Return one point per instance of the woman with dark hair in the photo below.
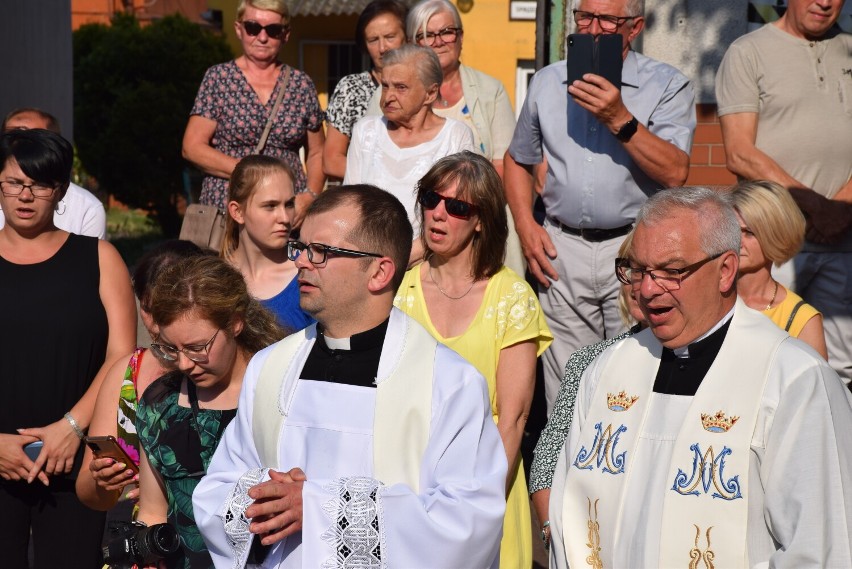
(464, 296)
(380, 28)
(260, 218)
(101, 480)
(68, 314)
(208, 327)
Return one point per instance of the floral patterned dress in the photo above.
(509, 314)
(180, 450)
(126, 428)
(226, 97)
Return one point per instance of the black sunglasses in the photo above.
(455, 207)
(274, 31)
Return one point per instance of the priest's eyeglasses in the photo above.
(198, 354)
(318, 252)
(11, 189)
(667, 278)
(608, 23)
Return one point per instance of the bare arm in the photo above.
(661, 160)
(739, 134)
(535, 242)
(334, 153)
(515, 385)
(813, 335)
(314, 142)
(153, 504)
(197, 149)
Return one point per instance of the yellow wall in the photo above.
(492, 43)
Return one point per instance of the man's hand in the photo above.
(602, 99)
(827, 220)
(277, 509)
(538, 249)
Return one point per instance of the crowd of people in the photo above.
(347, 380)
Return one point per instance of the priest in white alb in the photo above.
(711, 439)
(360, 441)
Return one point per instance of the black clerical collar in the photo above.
(357, 365)
(682, 375)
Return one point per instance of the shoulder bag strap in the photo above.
(260, 145)
(793, 315)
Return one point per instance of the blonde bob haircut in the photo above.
(277, 6)
(770, 213)
(623, 310)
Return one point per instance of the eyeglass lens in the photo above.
(606, 22)
(17, 188)
(447, 35)
(275, 31)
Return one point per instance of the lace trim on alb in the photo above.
(236, 523)
(355, 531)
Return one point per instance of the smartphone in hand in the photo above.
(108, 447)
(601, 56)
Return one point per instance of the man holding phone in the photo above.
(622, 144)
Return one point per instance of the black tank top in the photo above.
(53, 334)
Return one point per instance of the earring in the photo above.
(64, 207)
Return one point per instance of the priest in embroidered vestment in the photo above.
(360, 441)
(712, 439)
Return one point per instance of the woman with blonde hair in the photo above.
(208, 327)
(260, 219)
(773, 229)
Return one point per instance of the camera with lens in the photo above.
(136, 543)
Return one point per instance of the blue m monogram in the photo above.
(602, 454)
(708, 472)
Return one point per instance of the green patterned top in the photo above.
(180, 456)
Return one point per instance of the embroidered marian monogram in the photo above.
(594, 541)
(620, 401)
(718, 423)
(708, 470)
(696, 555)
(602, 453)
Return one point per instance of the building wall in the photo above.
(102, 11)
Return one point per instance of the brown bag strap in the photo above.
(260, 145)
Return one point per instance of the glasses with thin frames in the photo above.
(447, 35)
(455, 207)
(12, 189)
(197, 354)
(668, 278)
(607, 23)
(274, 31)
(318, 252)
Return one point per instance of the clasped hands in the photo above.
(277, 509)
(56, 456)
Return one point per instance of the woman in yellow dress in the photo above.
(469, 301)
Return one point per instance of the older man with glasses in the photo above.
(360, 441)
(712, 438)
(607, 148)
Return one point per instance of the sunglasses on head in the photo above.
(455, 207)
(274, 31)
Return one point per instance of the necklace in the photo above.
(774, 294)
(432, 278)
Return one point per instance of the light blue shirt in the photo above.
(591, 180)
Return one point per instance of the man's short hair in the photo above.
(424, 60)
(717, 222)
(631, 7)
(768, 209)
(383, 228)
(52, 122)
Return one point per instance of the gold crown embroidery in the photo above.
(718, 423)
(621, 401)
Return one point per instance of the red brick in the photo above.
(708, 134)
(717, 155)
(710, 175)
(706, 113)
(700, 155)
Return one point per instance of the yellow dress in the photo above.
(509, 314)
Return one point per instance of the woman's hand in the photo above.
(112, 475)
(14, 462)
(60, 446)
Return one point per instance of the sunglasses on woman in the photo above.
(455, 207)
(274, 31)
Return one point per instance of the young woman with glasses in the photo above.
(234, 103)
(208, 327)
(464, 296)
(68, 315)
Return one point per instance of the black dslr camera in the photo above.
(136, 543)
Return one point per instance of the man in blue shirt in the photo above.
(607, 149)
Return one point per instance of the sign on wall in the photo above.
(522, 9)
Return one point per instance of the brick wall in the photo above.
(707, 162)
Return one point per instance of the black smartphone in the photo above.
(585, 54)
(108, 447)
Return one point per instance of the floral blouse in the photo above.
(226, 97)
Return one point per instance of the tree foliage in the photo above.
(134, 87)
